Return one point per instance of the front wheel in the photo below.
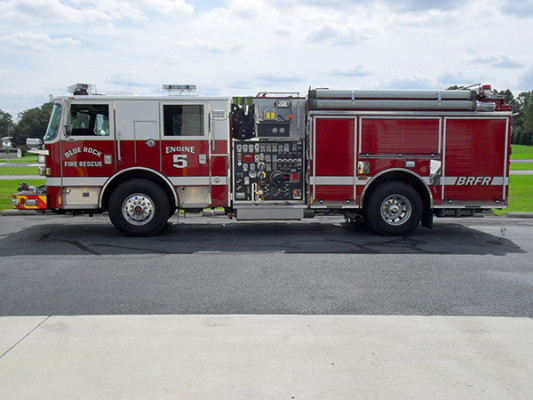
(139, 207)
(394, 208)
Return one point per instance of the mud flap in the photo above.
(427, 218)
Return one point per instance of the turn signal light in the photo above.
(43, 171)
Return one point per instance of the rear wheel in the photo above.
(394, 208)
(139, 207)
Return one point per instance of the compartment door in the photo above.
(185, 150)
(475, 161)
(333, 169)
(138, 135)
(219, 148)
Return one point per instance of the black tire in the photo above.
(393, 208)
(139, 207)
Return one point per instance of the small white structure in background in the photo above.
(6, 142)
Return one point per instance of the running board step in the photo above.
(269, 213)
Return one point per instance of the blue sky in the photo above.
(240, 47)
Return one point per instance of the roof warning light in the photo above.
(81, 88)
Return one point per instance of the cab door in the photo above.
(87, 152)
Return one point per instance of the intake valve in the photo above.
(277, 178)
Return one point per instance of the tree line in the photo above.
(32, 123)
(522, 116)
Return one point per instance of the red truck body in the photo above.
(393, 159)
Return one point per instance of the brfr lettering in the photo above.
(474, 180)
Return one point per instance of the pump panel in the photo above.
(270, 170)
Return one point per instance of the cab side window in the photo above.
(183, 120)
(89, 119)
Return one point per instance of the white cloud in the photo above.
(518, 8)
(38, 11)
(411, 82)
(337, 34)
(36, 41)
(425, 5)
(167, 7)
(355, 71)
(525, 81)
(274, 80)
(447, 79)
(498, 61)
(237, 47)
(210, 46)
(81, 12)
(402, 6)
(127, 80)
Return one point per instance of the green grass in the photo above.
(520, 194)
(19, 170)
(521, 152)
(9, 187)
(26, 159)
(519, 166)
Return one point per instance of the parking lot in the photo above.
(315, 309)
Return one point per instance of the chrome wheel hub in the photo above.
(138, 209)
(396, 209)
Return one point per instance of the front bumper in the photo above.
(30, 199)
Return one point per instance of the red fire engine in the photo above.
(393, 159)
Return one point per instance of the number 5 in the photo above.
(179, 160)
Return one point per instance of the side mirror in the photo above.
(33, 142)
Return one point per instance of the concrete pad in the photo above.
(270, 357)
(14, 212)
(519, 215)
(14, 329)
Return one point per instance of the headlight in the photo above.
(31, 202)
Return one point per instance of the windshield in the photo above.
(53, 125)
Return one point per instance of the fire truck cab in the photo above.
(393, 159)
